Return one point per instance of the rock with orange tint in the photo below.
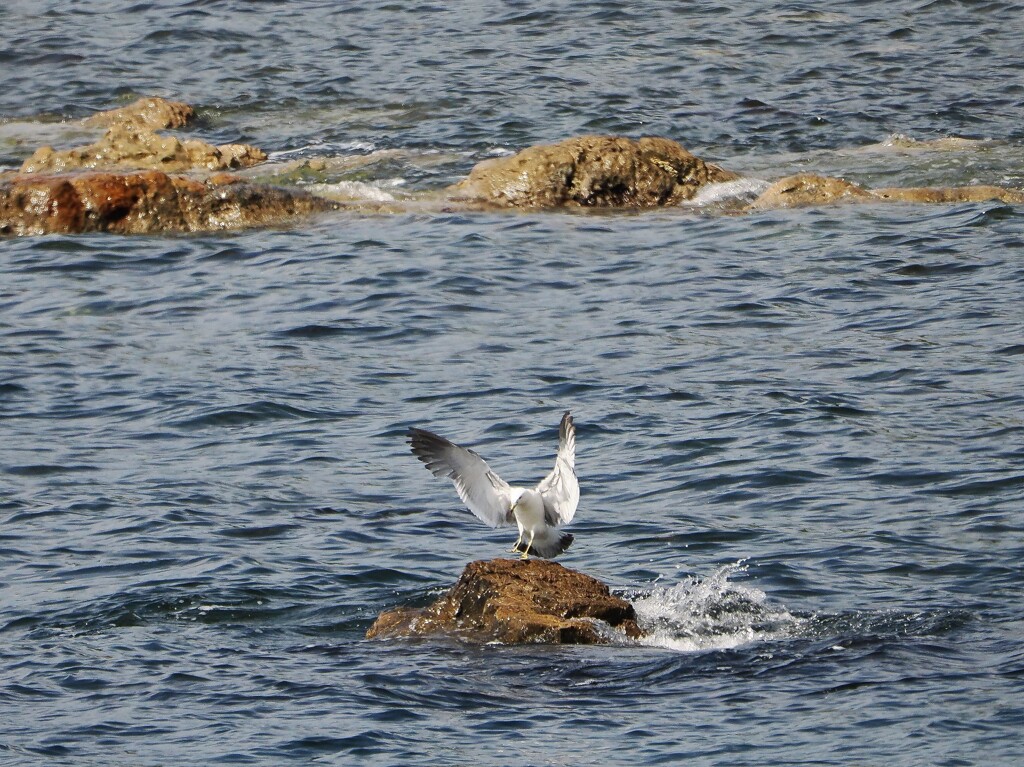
(590, 171)
(129, 204)
(513, 602)
(42, 205)
(146, 202)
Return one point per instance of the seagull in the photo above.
(538, 512)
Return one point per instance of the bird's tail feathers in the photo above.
(548, 549)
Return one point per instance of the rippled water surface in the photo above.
(801, 433)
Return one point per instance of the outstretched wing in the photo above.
(561, 489)
(485, 493)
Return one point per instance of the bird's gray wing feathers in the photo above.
(561, 489)
(485, 493)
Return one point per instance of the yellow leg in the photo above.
(526, 553)
(515, 546)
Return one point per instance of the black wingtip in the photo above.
(428, 447)
(417, 436)
(566, 424)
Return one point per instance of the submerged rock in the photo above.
(514, 602)
(126, 147)
(902, 142)
(807, 189)
(146, 202)
(590, 171)
(980, 193)
(152, 113)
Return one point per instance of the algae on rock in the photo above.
(590, 171)
(513, 602)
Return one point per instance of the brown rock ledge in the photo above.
(151, 113)
(807, 189)
(146, 202)
(590, 171)
(126, 147)
(978, 193)
(515, 602)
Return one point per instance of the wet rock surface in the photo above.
(938, 194)
(808, 189)
(130, 148)
(146, 202)
(108, 185)
(591, 171)
(150, 113)
(513, 602)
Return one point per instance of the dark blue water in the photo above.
(801, 440)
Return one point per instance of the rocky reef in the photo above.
(128, 148)
(807, 189)
(590, 171)
(514, 602)
(135, 179)
(145, 202)
(123, 182)
(131, 142)
(151, 113)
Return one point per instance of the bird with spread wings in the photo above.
(538, 512)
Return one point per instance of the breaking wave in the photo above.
(712, 614)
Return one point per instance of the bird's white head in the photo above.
(528, 508)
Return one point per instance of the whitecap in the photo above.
(711, 614)
(739, 191)
(347, 191)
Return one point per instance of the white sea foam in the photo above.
(318, 148)
(356, 190)
(738, 191)
(711, 614)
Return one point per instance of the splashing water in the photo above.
(712, 614)
(727, 194)
(345, 191)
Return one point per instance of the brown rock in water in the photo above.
(130, 148)
(146, 202)
(900, 141)
(129, 204)
(979, 193)
(153, 113)
(806, 189)
(45, 205)
(513, 602)
(591, 171)
(235, 204)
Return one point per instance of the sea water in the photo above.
(800, 432)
